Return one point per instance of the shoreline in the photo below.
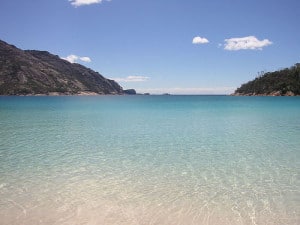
(113, 94)
(272, 94)
(84, 93)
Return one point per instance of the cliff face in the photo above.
(284, 82)
(39, 72)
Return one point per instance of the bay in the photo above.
(149, 160)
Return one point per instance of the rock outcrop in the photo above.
(130, 92)
(32, 72)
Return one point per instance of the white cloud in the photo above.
(200, 40)
(71, 58)
(77, 3)
(250, 42)
(189, 91)
(75, 58)
(131, 79)
(85, 59)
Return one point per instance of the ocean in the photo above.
(139, 160)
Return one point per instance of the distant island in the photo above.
(31, 72)
(285, 82)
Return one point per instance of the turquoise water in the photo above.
(150, 160)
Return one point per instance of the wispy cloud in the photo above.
(189, 91)
(75, 58)
(245, 43)
(200, 40)
(85, 59)
(131, 79)
(77, 3)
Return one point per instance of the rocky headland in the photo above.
(31, 72)
(285, 82)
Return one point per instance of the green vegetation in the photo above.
(279, 83)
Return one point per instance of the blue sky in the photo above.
(158, 46)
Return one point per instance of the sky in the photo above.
(161, 46)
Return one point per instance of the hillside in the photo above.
(285, 82)
(32, 72)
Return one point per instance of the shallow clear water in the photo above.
(150, 160)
